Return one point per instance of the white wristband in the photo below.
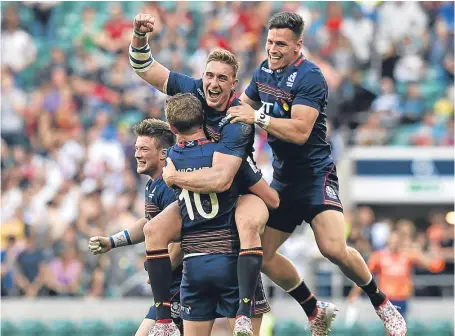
(261, 119)
(141, 59)
(120, 239)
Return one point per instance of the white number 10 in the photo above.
(185, 195)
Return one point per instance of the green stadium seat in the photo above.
(31, 328)
(441, 328)
(123, 328)
(62, 328)
(8, 328)
(93, 328)
(285, 328)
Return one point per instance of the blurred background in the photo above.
(69, 100)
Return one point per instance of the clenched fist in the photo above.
(99, 245)
(144, 23)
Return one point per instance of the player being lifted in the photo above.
(153, 138)
(215, 91)
(209, 236)
(290, 95)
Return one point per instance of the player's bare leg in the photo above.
(144, 328)
(329, 231)
(198, 328)
(256, 321)
(159, 232)
(283, 272)
(250, 216)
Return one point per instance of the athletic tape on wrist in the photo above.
(120, 239)
(139, 35)
(261, 119)
(140, 58)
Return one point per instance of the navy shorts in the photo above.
(210, 290)
(303, 202)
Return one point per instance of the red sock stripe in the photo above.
(157, 256)
(258, 252)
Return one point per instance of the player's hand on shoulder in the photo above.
(99, 245)
(241, 113)
(169, 172)
(144, 23)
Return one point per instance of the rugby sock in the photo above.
(160, 274)
(377, 297)
(248, 271)
(303, 296)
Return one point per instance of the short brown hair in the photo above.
(288, 20)
(156, 129)
(226, 57)
(184, 112)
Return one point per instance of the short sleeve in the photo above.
(312, 90)
(249, 174)
(167, 197)
(179, 83)
(252, 90)
(235, 139)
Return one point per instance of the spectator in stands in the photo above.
(387, 103)
(15, 41)
(30, 269)
(412, 105)
(7, 265)
(64, 274)
(13, 105)
(371, 133)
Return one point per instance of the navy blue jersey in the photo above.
(159, 196)
(236, 139)
(202, 211)
(301, 83)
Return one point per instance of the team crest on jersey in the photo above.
(331, 192)
(291, 79)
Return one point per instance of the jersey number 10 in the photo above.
(185, 195)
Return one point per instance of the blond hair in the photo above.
(226, 57)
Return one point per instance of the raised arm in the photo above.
(217, 178)
(140, 54)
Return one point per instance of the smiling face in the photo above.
(218, 83)
(282, 48)
(149, 156)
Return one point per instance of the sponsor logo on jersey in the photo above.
(266, 70)
(201, 93)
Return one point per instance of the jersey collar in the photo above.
(193, 143)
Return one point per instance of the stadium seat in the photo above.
(31, 328)
(93, 328)
(62, 328)
(8, 328)
(123, 328)
(285, 328)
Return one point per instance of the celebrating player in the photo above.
(215, 91)
(290, 94)
(153, 138)
(209, 235)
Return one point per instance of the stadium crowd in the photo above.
(69, 101)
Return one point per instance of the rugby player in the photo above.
(287, 97)
(153, 138)
(209, 235)
(215, 91)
